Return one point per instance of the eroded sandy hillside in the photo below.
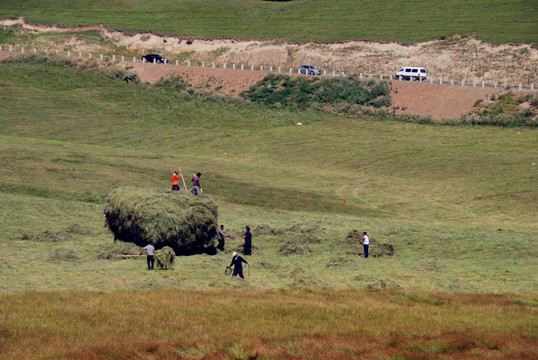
(454, 58)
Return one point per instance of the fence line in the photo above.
(382, 77)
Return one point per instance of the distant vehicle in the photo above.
(412, 73)
(154, 58)
(309, 70)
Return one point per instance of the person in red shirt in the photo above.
(175, 181)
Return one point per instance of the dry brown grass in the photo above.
(267, 325)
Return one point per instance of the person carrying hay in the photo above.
(150, 250)
(237, 264)
(221, 237)
(247, 249)
(175, 181)
(196, 184)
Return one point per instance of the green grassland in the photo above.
(438, 194)
(495, 21)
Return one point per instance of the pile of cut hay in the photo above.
(165, 218)
(164, 258)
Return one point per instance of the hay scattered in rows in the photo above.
(373, 282)
(111, 251)
(339, 261)
(164, 258)
(48, 236)
(65, 254)
(268, 230)
(167, 218)
(267, 265)
(295, 246)
(57, 236)
(302, 278)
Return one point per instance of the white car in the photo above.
(412, 73)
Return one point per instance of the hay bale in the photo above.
(295, 246)
(65, 254)
(167, 218)
(164, 258)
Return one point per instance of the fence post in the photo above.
(261, 67)
(334, 73)
(381, 77)
(46, 51)
(114, 58)
(532, 86)
(79, 54)
(68, 53)
(134, 59)
(291, 71)
(212, 65)
(431, 81)
(22, 49)
(189, 63)
(203, 63)
(35, 50)
(441, 80)
(90, 55)
(360, 76)
(474, 83)
(233, 66)
(463, 82)
(10, 48)
(483, 83)
(451, 82)
(122, 58)
(495, 85)
(279, 69)
(390, 77)
(520, 86)
(251, 67)
(270, 69)
(100, 56)
(343, 75)
(224, 66)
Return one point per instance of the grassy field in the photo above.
(438, 194)
(495, 21)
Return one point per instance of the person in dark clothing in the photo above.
(237, 264)
(221, 237)
(247, 249)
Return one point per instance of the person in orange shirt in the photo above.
(175, 181)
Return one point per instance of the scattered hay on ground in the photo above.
(305, 229)
(267, 230)
(164, 258)
(167, 218)
(302, 278)
(48, 236)
(111, 251)
(373, 282)
(339, 261)
(267, 265)
(57, 236)
(295, 246)
(65, 254)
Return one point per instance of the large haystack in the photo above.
(186, 224)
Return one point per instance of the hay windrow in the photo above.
(57, 236)
(295, 246)
(111, 251)
(65, 254)
(186, 224)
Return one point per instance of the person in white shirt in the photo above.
(365, 243)
(150, 250)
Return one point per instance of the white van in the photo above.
(412, 73)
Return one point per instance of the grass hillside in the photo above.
(495, 21)
(457, 203)
(438, 194)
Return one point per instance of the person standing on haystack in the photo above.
(150, 250)
(237, 264)
(175, 181)
(365, 244)
(221, 237)
(196, 184)
(247, 248)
